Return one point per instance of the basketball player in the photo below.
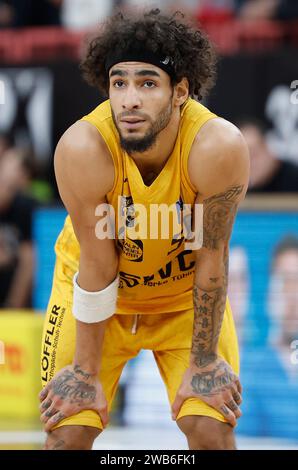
(149, 143)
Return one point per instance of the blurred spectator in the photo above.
(5, 143)
(271, 385)
(238, 288)
(268, 9)
(18, 161)
(16, 248)
(287, 10)
(23, 13)
(283, 298)
(215, 10)
(41, 191)
(257, 9)
(282, 113)
(83, 14)
(32, 182)
(186, 6)
(6, 14)
(267, 172)
(201, 10)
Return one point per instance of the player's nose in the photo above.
(131, 98)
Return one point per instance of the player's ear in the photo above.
(181, 91)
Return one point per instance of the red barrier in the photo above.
(230, 36)
(39, 44)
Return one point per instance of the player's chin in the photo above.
(139, 131)
(133, 135)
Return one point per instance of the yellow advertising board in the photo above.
(20, 342)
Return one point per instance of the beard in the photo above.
(138, 145)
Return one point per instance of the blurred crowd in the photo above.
(269, 172)
(16, 249)
(80, 14)
(21, 192)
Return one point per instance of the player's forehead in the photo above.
(136, 69)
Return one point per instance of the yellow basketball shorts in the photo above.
(168, 335)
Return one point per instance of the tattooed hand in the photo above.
(69, 392)
(216, 384)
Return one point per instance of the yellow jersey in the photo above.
(156, 274)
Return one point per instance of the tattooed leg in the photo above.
(71, 438)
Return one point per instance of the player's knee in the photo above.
(204, 433)
(71, 438)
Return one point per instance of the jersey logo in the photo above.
(132, 249)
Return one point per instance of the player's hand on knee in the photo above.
(69, 392)
(216, 384)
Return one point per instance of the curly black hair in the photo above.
(169, 35)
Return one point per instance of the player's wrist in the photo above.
(203, 360)
(94, 307)
(85, 370)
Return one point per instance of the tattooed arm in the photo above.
(85, 174)
(219, 169)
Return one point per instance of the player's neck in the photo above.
(157, 155)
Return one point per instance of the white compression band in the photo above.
(93, 307)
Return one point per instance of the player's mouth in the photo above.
(132, 123)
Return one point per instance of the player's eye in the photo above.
(118, 83)
(149, 84)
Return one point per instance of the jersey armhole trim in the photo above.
(190, 139)
(116, 173)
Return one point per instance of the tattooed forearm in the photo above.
(208, 313)
(218, 218)
(210, 289)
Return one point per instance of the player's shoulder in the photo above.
(82, 153)
(218, 136)
(219, 148)
(83, 137)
